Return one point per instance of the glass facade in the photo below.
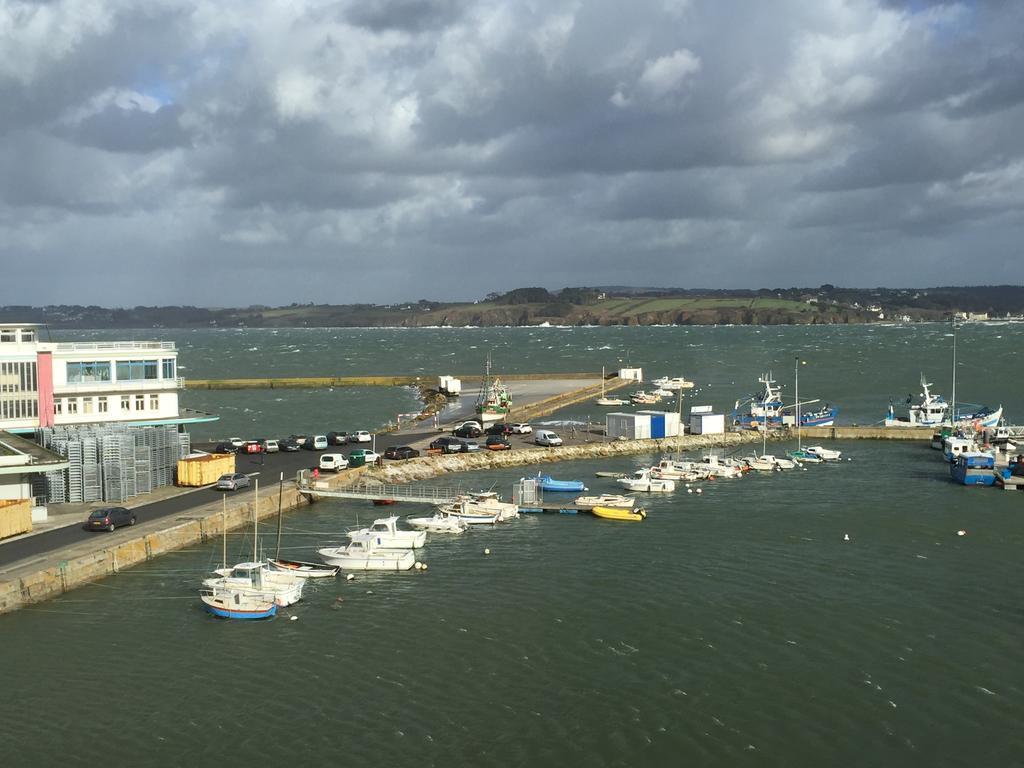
(19, 390)
(79, 373)
(137, 370)
(168, 368)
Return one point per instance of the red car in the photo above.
(252, 446)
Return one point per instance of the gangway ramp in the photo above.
(419, 494)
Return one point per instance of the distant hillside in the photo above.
(570, 306)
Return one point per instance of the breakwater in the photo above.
(319, 382)
(868, 433)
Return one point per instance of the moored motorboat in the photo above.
(804, 456)
(644, 398)
(439, 522)
(303, 569)
(359, 555)
(386, 534)
(256, 579)
(228, 603)
(605, 500)
(548, 483)
(716, 466)
(825, 454)
(619, 513)
(641, 480)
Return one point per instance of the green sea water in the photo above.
(734, 627)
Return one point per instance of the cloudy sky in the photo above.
(230, 152)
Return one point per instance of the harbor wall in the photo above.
(313, 382)
(868, 433)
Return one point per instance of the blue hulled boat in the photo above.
(548, 483)
(767, 407)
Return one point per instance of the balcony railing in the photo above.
(144, 385)
(95, 346)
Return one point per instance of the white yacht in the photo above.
(439, 522)
(641, 480)
(825, 454)
(361, 555)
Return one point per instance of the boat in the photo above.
(487, 503)
(302, 568)
(439, 522)
(973, 469)
(362, 555)
(641, 480)
(825, 454)
(608, 401)
(230, 603)
(385, 533)
(934, 411)
(768, 408)
(256, 579)
(716, 466)
(668, 469)
(605, 500)
(548, 483)
(383, 502)
(762, 463)
(643, 398)
(672, 384)
(494, 401)
(804, 456)
(620, 514)
(468, 514)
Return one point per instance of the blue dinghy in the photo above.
(548, 483)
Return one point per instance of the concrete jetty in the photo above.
(320, 382)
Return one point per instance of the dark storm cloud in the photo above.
(413, 144)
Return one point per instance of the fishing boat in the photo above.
(608, 401)
(386, 534)
(605, 500)
(620, 514)
(973, 469)
(439, 522)
(641, 480)
(302, 568)
(825, 454)
(548, 483)
(362, 555)
(934, 411)
(494, 401)
(230, 603)
(768, 408)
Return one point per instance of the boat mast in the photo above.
(602, 382)
(255, 519)
(280, 500)
(224, 526)
(797, 377)
(952, 410)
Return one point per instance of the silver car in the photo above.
(233, 481)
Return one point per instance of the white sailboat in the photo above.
(608, 401)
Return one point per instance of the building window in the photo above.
(168, 368)
(140, 402)
(17, 377)
(101, 404)
(154, 402)
(8, 337)
(126, 403)
(79, 373)
(28, 336)
(72, 405)
(87, 404)
(136, 370)
(58, 407)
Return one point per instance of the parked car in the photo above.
(337, 438)
(335, 462)
(469, 445)
(252, 446)
(233, 481)
(521, 429)
(316, 443)
(472, 423)
(236, 441)
(498, 443)
(467, 430)
(362, 436)
(109, 518)
(501, 428)
(546, 437)
(367, 456)
(287, 444)
(401, 452)
(300, 440)
(224, 448)
(447, 444)
(271, 446)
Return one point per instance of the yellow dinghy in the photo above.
(620, 513)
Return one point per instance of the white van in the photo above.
(319, 442)
(546, 437)
(334, 462)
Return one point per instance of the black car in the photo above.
(287, 444)
(448, 444)
(337, 438)
(224, 448)
(498, 443)
(109, 518)
(467, 430)
(401, 452)
(501, 428)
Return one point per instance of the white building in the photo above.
(45, 383)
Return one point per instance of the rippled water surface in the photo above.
(736, 627)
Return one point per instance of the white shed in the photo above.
(632, 426)
(704, 422)
(631, 374)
